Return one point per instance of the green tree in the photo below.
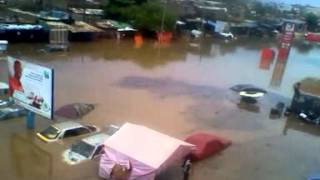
(312, 21)
(114, 9)
(260, 8)
(143, 14)
(150, 16)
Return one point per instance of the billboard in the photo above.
(31, 86)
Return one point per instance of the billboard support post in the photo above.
(30, 120)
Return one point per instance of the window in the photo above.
(76, 132)
(82, 130)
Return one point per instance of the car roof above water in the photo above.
(96, 139)
(67, 125)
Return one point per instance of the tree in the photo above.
(143, 15)
(312, 21)
(114, 9)
(150, 15)
(260, 8)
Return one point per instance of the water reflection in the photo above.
(205, 62)
(212, 107)
(28, 159)
(280, 66)
(251, 107)
(294, 124)
(166, 87)
(304, 47)
(148, 56)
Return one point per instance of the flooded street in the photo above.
(176, 89)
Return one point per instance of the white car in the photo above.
(87, 148)
(65, 129)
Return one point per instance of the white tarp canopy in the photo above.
(146, 150)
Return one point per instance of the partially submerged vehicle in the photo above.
(85, 149)
(64, 130)
(4, 87)
(306, 107)
(12, 111)
(74, 110)
(207, 144)
(247, 88)
(248, 92)
(6, 102)
(137, 152)
(88, 148)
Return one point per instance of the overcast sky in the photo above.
(303, 2)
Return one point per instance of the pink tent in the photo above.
(146, 152)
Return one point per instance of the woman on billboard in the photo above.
(14, 79)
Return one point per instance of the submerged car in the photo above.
(64, 130)
(88, 148)
(4, 87)
(6, 102)
(12, 111)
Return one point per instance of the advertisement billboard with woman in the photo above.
(31, 86)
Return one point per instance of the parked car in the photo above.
(64, 130)
(12, 111)
(88, 148)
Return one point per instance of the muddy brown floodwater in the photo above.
(176, 89)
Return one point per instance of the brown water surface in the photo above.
(176, 89)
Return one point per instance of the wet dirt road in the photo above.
(177, 90)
